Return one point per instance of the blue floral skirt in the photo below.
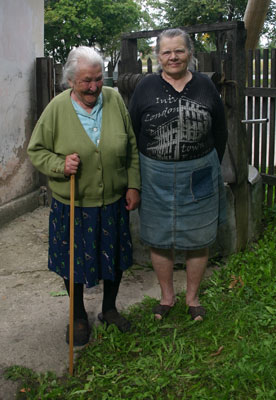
(102, 241)
(182, 203)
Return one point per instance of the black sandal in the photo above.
(113, 317)
(196, 311)
(162, 310)
(81, 332)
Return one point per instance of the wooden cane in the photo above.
(71, 319)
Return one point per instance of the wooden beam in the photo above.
(260, 92)
(269, 179)
(202, 28)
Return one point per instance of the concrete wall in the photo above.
(21, 41)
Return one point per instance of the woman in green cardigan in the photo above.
(86, 131)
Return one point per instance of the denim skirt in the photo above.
(102, 241)
(182, 203)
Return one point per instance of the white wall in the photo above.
(21, 41)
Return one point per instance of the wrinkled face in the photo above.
(87, 84)
(174, 56)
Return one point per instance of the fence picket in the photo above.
(250, 105)
(139, 66)
(264, 112)
(149, 65)
(257, 109)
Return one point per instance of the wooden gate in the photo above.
(260, 117)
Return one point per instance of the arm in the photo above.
(132, 162)
(135, 115)
(42, 156)
(41, 146)
(219, 127)
(41, 149)
(133, 165)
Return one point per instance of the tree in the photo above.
(192, 12)
(269, 30)
(100, 23)
(173, 13)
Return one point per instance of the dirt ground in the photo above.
(33, 318)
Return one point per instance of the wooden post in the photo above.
(44, 94)
(110, 70)
(235, 72)
(44, 83)
(58, 77)
(128, 55)
(204, 62)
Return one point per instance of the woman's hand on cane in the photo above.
(72, 162)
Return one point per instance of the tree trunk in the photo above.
(254, 18)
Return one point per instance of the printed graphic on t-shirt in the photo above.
(185, 132)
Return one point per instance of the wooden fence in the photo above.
(260, 112)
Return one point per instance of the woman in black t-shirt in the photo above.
(179, 122)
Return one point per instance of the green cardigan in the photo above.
(105, 172)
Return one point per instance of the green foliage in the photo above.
(270, 25)
(71, 23)
(228, 356)
(144, 47)
(175, 13)
(192, 12)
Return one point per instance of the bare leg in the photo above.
(196, 262)
(163, 261)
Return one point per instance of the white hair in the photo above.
(88, 54)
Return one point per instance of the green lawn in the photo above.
(231, 355)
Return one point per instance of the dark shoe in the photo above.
(81, 332)
(196, 311)
(113, 317)
(162, 310)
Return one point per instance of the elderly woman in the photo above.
(179, 122)
(86, 131)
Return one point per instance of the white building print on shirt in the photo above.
(187, 130)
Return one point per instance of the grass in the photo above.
(231, 355)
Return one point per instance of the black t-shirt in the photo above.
(178, 126)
